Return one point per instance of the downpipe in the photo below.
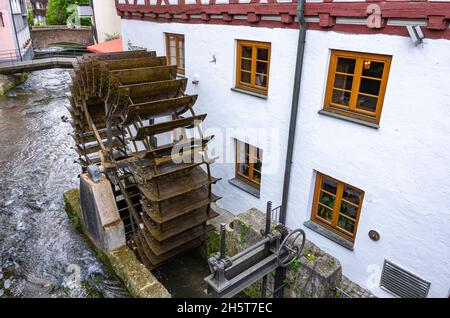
(281, 272)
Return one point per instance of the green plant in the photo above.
(85, 21)
(30, 18)
(331, 261)
(109, 37)
(295, 266)
(309, 256)
(245, 229)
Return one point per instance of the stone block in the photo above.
(100, 216)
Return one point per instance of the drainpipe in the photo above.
(280, 273)
(15, 30)
(294, 108)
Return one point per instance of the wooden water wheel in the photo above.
(121, 104)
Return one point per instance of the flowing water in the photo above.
(41, 254)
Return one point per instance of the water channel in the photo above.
(41, 254)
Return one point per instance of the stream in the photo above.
(41, 253)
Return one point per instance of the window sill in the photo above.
(245, 186)
(329, 234)
(350, 119)
(243, 91)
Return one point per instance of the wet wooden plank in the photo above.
(147, 92)
(176, 184)
(167, 126)
(176, 208)
(163, 107)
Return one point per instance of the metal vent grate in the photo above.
(403, 283)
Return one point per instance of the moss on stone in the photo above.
(136, 277)
(72, 206)
(252, 292)
(121, 262)
(11, 82)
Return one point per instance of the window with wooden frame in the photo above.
(175, 51)
(337, 206)
(357, 84)
(248, 163)
(252, 67)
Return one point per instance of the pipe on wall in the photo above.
(294, 108)
(280, 273)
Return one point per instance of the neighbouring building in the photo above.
(106, 20)
(39, 9)
(370, 180)
(15, 37)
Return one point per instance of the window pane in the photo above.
(349, 210)
(326, 199)
(370, 86)
(171, 41)
(241, 152)
(366, 103)
(172, 51)
(243, 169)
(346, 224)
(261, 67)
(351, 195)
(345, 65)
(261, 80)
(329, 185)
(246, 65)
(325, 213)
(343, 81)
(173, 60)
(257, 176)
(373, 69)
(246, 51)
(245, 77)
(181, 62)
(340, 97)
(181, 51)
(263, 54)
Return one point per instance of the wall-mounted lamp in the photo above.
(214, 60)
(195, 79)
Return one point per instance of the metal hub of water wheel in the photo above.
(120, 103)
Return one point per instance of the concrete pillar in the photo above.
(101, 217)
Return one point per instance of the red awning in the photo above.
(107, 47)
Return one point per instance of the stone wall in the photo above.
(8, 82)
(315, 274)
(44, 36)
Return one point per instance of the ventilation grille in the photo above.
(403, 283)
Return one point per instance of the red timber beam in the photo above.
(320, 15)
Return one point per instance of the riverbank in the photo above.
(8, 82)
(139, 281)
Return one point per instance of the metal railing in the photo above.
(13, 57)
(10, 56)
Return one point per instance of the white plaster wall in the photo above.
(403, 167)
(226, 108)
(106, 19)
